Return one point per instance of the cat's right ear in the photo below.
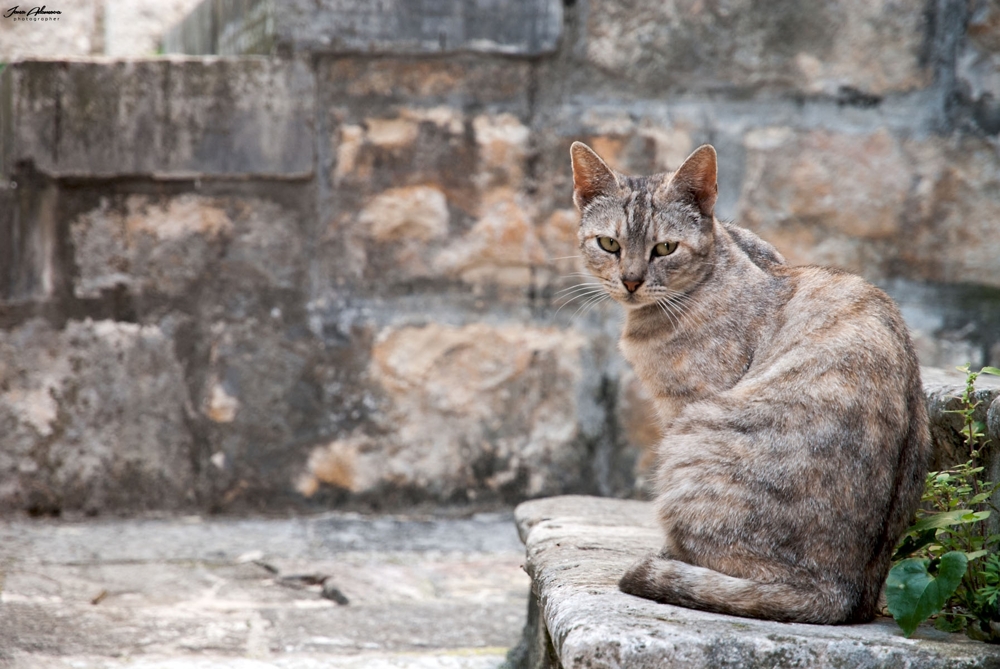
(591, 175)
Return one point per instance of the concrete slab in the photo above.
(578, 548)
(333, 591)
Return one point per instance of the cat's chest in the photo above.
(682, 370)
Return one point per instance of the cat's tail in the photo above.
(674, 582)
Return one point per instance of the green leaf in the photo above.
(911, 544)
(976, 554)
(950, 624)
(947, 519)
(981, 497)
(990, 370)
(913, 594)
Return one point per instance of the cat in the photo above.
(795, 437)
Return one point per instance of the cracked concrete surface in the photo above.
(257, 593)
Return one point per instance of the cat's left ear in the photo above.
(697, 180)
(591, 175)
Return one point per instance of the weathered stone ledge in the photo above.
(521, 28)
(578, 547)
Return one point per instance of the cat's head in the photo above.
(646, 238)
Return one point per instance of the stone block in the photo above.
(364, 85)
(265, 394)
(950, 233)
(166, 247)
(93, 419)
(875, 204)
(466, 413)
(225, 27)
(977, 65)
(424, 190)
(950, 324)
(943, 389)
(28, 239)
(825, 48)
(577, 549)
(159, 117)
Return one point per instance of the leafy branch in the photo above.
(946, 564)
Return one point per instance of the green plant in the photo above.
(946, 563)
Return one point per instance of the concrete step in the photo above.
(577, 549)
(333, 591)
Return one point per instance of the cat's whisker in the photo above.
(684, 306)
(669, 310)
(566, 257)
(594, 304)
(578, 286)
(586, 299)
(583, 295)
(580, 293)
(666, 313)
(590, 304)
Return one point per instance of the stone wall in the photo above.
(333, 276)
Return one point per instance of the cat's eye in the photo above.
(608, 244)
(664, 248)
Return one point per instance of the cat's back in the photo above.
(838, 360)
(836, 318)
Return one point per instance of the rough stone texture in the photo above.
(425, 189)
(978, 65)
(303, 231)
(153, 246)
(578, 548)
(521, 27)
(419, 592)
(822, 48)
(942, 389)
(478, 407)
(874, 204)
(158, 117)
(951, 325)
(93, 418)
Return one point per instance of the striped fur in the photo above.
(795, 436)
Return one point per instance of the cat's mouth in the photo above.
(632, 300)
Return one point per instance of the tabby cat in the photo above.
(795, 437)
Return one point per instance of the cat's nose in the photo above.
(632, 286)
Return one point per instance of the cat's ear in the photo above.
(697, 180)
(591, 175)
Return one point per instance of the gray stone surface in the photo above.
(303, 231)
(193, 592)
(519, 27)
(823, 48)
(92, 417)
(943, 388)
(159, 117)
(578, 548)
